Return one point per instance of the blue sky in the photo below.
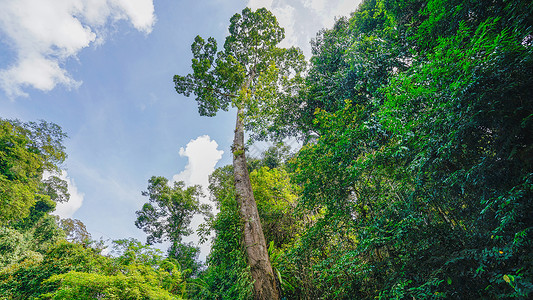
(102, 70)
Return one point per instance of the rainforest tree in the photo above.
(259, 79)
(167, 216)
(227, 275)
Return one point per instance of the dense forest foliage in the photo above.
(414, 181)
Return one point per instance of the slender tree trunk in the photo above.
(254, 240)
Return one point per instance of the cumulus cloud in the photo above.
(45, 33)
(302, 19)
(67, 209)
(203, 155)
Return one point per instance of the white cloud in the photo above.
(139, 12)
(36, 71)
(302, 19)
(45, 33)
(67, 209)
(203, 155)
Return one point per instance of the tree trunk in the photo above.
(254, 240)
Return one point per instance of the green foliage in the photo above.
(420, 182)
(12, 246)
(68, 271)
(276, 202)
(463, 116)
(168, 213)
(75, 231)
(75, 285)
(250, 73)
(351, 61)
(25, 279)
(131, 251)
(55, 188)
(26, 151)
(274, 157)
(164, 272)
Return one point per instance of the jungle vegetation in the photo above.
(414, 181)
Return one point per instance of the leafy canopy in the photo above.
(250, 73)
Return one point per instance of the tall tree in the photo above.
(260, 79)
